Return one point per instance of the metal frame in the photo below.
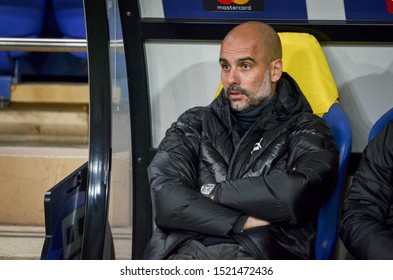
(43, 45)
(330, 31)
(140, 124)
(95, 237)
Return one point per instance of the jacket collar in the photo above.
(289, 100)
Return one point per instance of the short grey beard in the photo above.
(255, 100)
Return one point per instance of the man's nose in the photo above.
(233, 77)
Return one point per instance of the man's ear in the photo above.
(275, 70)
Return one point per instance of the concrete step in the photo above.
(49, 113)
(26, 173)
(44, 138)
(59, 93)
(47, 124)
(26, 242)
(21, 242)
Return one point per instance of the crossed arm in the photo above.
(284, 196)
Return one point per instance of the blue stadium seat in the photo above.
(70, 18)
(329, 215)
(304, 59)
(380, 123)
(18, 19)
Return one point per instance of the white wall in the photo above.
(364, 78)
(182, 75)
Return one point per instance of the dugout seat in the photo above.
(380, 123)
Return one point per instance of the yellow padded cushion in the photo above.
(304, 60)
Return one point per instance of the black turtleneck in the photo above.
(246, 119)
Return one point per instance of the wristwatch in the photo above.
(208, 189)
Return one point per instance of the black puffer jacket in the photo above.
(367, 226)
(284, 180)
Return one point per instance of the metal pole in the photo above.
(43, 45)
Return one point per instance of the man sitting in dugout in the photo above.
(244, 177)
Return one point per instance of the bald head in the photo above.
(259, 33)
(251, 65)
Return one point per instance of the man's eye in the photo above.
(246, 66)
(225, 67)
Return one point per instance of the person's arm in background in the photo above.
(365, 230)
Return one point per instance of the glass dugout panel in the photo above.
(120, 199)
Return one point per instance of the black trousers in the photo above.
(194, 250)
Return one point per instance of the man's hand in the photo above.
(252, 222)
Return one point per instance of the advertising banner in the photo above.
(239, 9)
(369, 9)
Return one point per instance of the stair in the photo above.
(46, 114)
(21, 242)
(25, 242)
(26, 173)
(43, 138)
